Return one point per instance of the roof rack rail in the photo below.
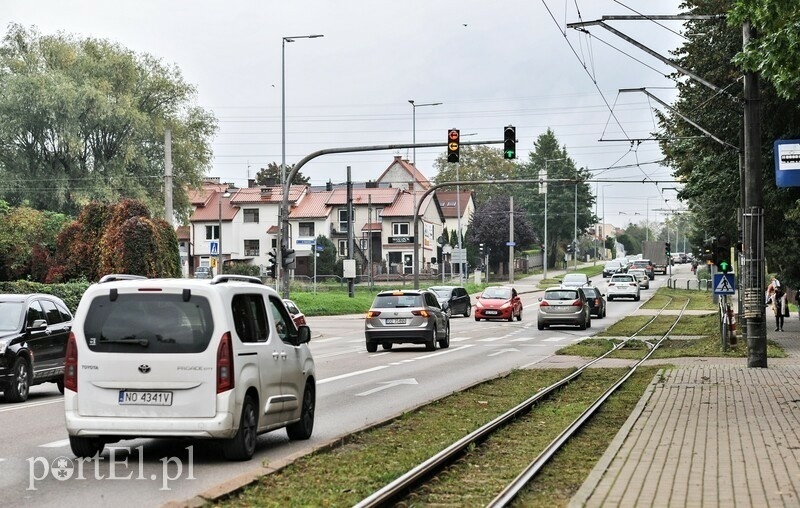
(111, 277)
(236, 278)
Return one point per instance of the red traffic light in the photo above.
(453, 141)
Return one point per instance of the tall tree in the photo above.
(272, 175)
(84, 120)
(490, 226)
(477, 163)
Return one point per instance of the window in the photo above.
(306, 228)
(400, 228)
(249, 317)
(378, 214)
(212, 232)
(342, 247)
(50, 309)
(250, 215)
(283, 322)
(344, 224)
(251, 247)
(35, 312)
(364, 244)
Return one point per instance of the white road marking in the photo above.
(56, 444)
(388, 384)
(523, 339)
(555, 339)
(459, 339)
(17, 407)
(507, 350)
(329, 339)
(351, 374)
(493, 339)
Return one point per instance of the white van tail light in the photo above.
(71, 364)
(225, 364)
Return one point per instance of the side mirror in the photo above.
(303, 334)
(540, 298)
(38, 324)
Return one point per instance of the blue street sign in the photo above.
(787, 162)
(306, 241)
(213, 248)
(320, 247)
(511, 244)
(724, 284)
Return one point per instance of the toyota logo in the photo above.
(144, 369)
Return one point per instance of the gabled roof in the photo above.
(449, 204)
(255, 195)
(380, 196)
(313, 206)
(213, 210)
(200, 197)
(404, 206)
(413, 173)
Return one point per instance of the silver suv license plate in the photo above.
(144, 398)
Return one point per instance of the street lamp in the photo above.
(284, 187)
(544, 185)
(414, 107)
(220, 194)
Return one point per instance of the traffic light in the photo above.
(570, 249)
(453, 141)
(722, 253)
(708, 252)
(482, 249)
(271, 265)
(287, 257)
(668, 249)
(510, 142)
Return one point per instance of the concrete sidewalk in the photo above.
(711, 432)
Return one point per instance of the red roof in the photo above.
(404, 205)
(214, 210)
(448, 203)
(372, 226)
(362, 196)
(313, 205)
(253, 195)
(411, 169)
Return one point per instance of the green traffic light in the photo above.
(724, 266)
(510, 154)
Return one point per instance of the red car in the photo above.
(498, 302)
(297, 316)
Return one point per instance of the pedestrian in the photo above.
(797, 301)
(773, 286)
(779, 302)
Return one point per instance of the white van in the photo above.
(219, 358)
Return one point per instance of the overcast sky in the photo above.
(490, 64)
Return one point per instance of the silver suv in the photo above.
(564, 305)
(219, 359)
(406, 316)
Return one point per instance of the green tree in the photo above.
(477, 163)
(27, 241)
(84, 120)
(272, 174)
(326, 262)
(490, 225)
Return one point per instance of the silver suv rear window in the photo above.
(148, 323)
(562, 294)
(398, 301)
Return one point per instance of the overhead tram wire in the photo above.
(648, 18)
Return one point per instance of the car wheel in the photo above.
(511, 316)
(468, 310)
(387, 345)
(372, 347)
(60, 386)
(589, 321)
(20, 381)
(636, 298)
(477, 318)
(540, 326)
(582, 325)
(303, 428)
(604, 312)
(86, 447)
(445, 343)
(519, 316)
(430, 345)
(243, 445)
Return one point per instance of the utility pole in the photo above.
(168, 176)
(511, 240)
(350, 242)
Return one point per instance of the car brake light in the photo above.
(373, 313)
(71, 364)
(423, 313)
(610, 283)
(225, 364)
(544, 304)
(577, 303)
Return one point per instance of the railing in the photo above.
(697, 284)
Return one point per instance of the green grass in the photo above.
(698, 300)
(361, 464)
(589, 270)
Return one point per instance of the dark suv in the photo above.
(34, 329)
(453, 299)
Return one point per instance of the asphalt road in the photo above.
(354, 389)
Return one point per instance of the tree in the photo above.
(477, 163)
(84, 120)
(27, 241)
(490, 225)
(326, 262)
(271, 175)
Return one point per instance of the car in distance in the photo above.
(641, 277)
(645, 265)
(623, 285)
(575, 280)
(498, 302)
(297, 315)
(183, 358)
(202, 272)
(406, 316)
(34, 329)
(564, 306)
(454, 300)
(596, 301)
(611, 267)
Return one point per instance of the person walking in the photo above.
(797, 301)
(779, 302)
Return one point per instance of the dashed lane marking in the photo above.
(56, 444)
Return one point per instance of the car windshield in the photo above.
(623, 278)
(613, 265)
(561, 294)
(590, 292)
(10, 313)
(442, 292)
(397, 301)
(498, 293)
(575, 277)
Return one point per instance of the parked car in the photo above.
(623, 285)
(202, 272)
(596, 301)
(575, 280)
(641, 277)
(34, 329)
(498, 302)
(612, 267)
(184, 358)
(647, 266)
(297, 315)
(453, 299)
(564, 306)
(406, 316)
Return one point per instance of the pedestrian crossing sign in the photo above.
(724, 284)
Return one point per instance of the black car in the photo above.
(34, 329)
(597, 303)
(453, 299)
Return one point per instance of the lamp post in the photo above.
(544, 186)
(414, 107)
(284, 187)
(220, 194)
